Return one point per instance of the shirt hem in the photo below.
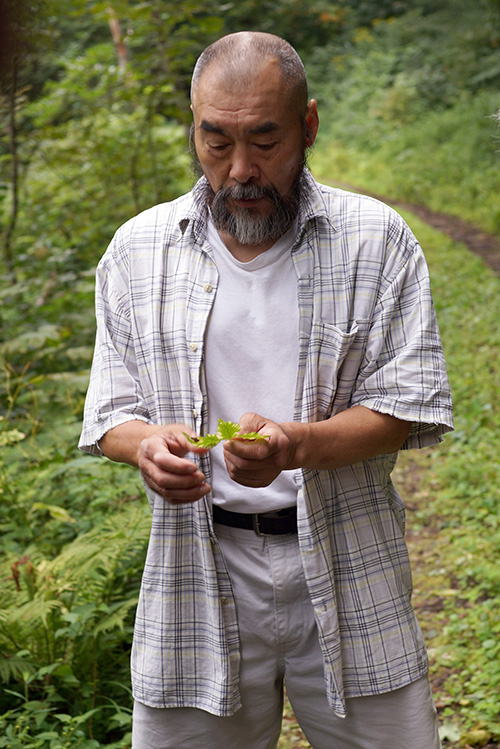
(167, 704)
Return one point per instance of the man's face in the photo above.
(250, 142)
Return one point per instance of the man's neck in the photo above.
(245, 252)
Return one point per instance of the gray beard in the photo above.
(247, 225)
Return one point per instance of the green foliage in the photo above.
(74, 541)
(73, 534)
(305, 25)
(90, 172)
(409, 110)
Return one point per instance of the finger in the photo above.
(253, 456)
(178, 497)
(245, 468)
(176, 488)
(172, 474)
(181, 445)
(253, 478)
(159, 452)
(169, 463)
(251, 422)
(171, 443)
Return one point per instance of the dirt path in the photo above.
(478, 241)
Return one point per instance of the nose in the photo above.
(243, 167)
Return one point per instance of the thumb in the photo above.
(251, 422)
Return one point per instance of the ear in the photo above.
(312, 122)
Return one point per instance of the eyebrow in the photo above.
(266, 127)
(209, 127)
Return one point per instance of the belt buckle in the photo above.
(256, 526)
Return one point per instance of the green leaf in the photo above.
(227, 429)
(252, 436)
(208, 441)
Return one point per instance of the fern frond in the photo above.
(116, 617)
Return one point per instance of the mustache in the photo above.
(248, 191)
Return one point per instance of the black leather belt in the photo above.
(275, 523)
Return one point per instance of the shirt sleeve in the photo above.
(404, 370)
(114, 395)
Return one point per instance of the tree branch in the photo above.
(117, 35)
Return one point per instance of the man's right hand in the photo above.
(159, 453)
(165, 469)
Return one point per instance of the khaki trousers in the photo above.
(279, 644)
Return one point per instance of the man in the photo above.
(305, 312)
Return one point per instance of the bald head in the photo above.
(242, 55)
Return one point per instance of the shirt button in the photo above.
(195, 413)
(208, 287)
(193, 346)
(224, 600)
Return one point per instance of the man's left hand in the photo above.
(257, 463)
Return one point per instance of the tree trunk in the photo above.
(14, 158)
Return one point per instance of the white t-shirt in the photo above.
(251, 358)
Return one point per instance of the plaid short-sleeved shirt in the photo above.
(368, 336)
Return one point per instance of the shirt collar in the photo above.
(313, 205)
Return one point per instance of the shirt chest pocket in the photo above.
(333, 363)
